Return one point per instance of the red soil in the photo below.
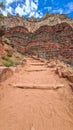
(35, 98)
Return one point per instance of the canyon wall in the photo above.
(48, 37)
(33, 24)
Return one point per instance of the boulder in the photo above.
(70, 78)
(5, 74)
(58, 71)
(62, 72)
(65, 73)
(51, 64)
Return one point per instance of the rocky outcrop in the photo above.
(33, 24)
(64, 72)
(16, 29)
(55, 29)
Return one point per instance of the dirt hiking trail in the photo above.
(35, 98)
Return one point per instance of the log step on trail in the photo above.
(40, 87)
(37, 70)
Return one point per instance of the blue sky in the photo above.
(38, 8)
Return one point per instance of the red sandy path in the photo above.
(35, 98)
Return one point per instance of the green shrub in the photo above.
(70, 62)
(5, 39)
(9, 62)
(5, 57)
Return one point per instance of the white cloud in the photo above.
(69, 7)
(30, 8)
(9, 1)
(66, 9)
(38, 14)
(27, 7)
(4, 13)
(48, 8)
(33, 6)
(19, 10)
(60, 11)
(10, 9)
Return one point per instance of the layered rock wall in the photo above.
(33, 24)
(50, 36)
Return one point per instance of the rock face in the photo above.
(16, 29)
(33, 24)
(46, 42)
(48, 37)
